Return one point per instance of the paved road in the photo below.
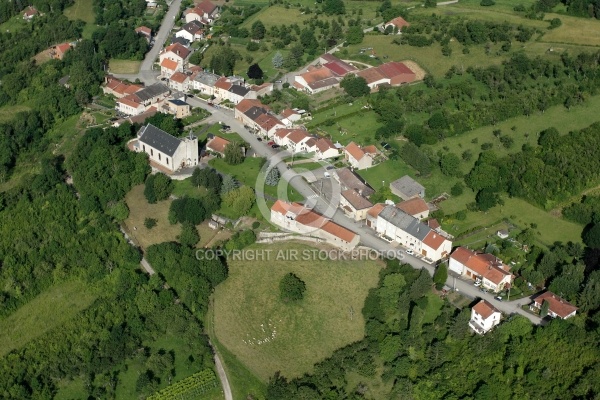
(222, 374)
(147, 267)
(146, 73)
(328, 207)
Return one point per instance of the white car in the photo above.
(410, 252)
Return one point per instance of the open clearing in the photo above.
(47, 311)
(139, 210)
(585, 31)
(247, 308)
(124, 66)
(8, 112)
(82, 9)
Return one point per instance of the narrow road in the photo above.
(146, 73)
(329, 208)
(222, 374)
(147, 267)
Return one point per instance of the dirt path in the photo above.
(222, 375)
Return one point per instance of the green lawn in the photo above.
(585, 31)
(124, 66)
(83, 10)
(311, 166)
(47, 311)
(434, 308)
(359, 128)
(247, 309)
(8, 112)
(13, 24)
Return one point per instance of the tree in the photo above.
(544, 308)
(257, 32)
(440, 276)
(486, 199)
(291, 288)
(331, 7)
(223, 61)
(457, 189)
(591, 237)
(233, 154)
(150, 223)
(355, 35)
(158, 187)
(355, 86)
(273, 176)
(450, 164)
(239, 200)
(255, 72)
(118, 210)
(189, 236)
(277, 60)
(229, 184)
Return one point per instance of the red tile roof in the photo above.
(63, 47)
(129, 101)
(324, 144)
(282, 132)
(247, 104)
(223, 83)
(217, 144)
(434, 240)
(206, 6)
(375, 210)
(30, 11)
(297, 135)
(177, 49)
(557, 305)
(392, 69)
(339, 231)
(433, 223)
(267, 121)
(169, 64)
(484, 309)
(145, 30)
(339, 67)
(288, 112)
(413, 206)
(371, 75)
(370, 149)
(485, 265)
(179, 77)
(317, 74)
(399, 22)
(355, 151)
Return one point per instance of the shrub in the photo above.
(150, 223)
(291, 288)
(255, 225)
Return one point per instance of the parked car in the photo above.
(211, 104)
(190, 95)
(410, 252)
(271, 143)
(259, 139)
(275, 146)
(330, 167)
(498, 298)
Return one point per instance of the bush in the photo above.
(150, 223)
(487, 3)
(461, 215)
(189, 210)
(555, 23)
(457, 189)
(240, 240)
(291, 288)
(440, 275)
(252, 46)
(255, 225)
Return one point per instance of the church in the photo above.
(166, 150)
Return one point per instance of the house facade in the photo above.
(484, 316)
(357, 158)
(175, 52)
(491, 271)
(354, 205)
(167, 151)
(325, 149)
(295, 217)
(179, 108)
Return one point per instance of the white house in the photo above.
(205, 82)
(491, 271)
(179, 82)
(205, 12)
(129, 106)
(557, 306)
(166, 150)
(217, 145)
(396, 24)
(397, 226)
(357, 157)
(169, 67)
(484, 316)
(175, 52)
(326, 149)
(295, 217)
(191, 31)
(354, 205)
(290, 116)
(296, 141)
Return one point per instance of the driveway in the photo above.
(147, 74)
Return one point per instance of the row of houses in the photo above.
(330, 70)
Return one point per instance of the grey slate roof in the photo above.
(239, 90)
(255, 112)
(159, 139)
(151, 91)
(182, 41)
(192, 27)
(408, 186)
(207, 78)
(178, 102)
(406, 222)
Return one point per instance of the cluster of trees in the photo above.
(291, 288)
(158, 187)
(420, 356)
(579, 8)
(9, 9)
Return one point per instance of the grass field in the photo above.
(359, 128)
(13, 24)
(139, 210)
(82, 9)
(585, 31)
(247, 308)
(49, 310)
(124, 66)
(8, 112)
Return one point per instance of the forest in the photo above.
(423, 359)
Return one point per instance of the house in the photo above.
(295, 217)
(179, 108)
(397, 72)
(266, 125)
(417, 207)
(175, 52)
(289, 116)
(354, 205)
(373, 77)
(138, 102)
(204, 11)
(243, 107)
(137, 119)
(484, 316)
(169, 67)
(395, 225)
(397, 24)
(179, 81)
(280, 135)
(182, 41)
(167, 151)
(145, 32)
(326, 149)
(295, 141)
(192, 31)
(490, 270)
(237, 93)
(357, 157)
(29, 13)
(557, 307)
(372, 214)
(316, 79)
(350, 180)
(60, 50)
(118, 88)
(261, 90)
(217, 145)
(407, 188)
(130, 106)
(205, 82)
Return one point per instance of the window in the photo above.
(151, 152)
(158, 156)
(167, 160)
(144, 147)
